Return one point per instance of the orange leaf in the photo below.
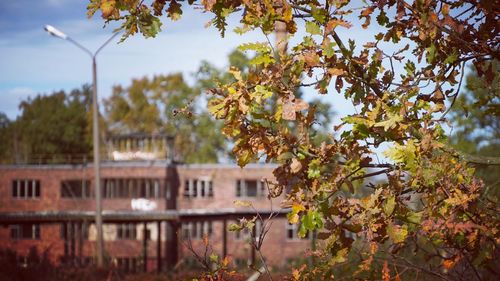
(448, 264)
(367, 12)
(386, 276)
(205, 240)
(208, 4)
(336, 22)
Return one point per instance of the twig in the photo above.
(456, 94)
(371, 174)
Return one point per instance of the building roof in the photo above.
(133, 216)
(143, 163)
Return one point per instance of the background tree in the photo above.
(399, 82)
(166, 104)
(476, 126)
(50, 128)
(5, 139)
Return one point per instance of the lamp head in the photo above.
(55, 32)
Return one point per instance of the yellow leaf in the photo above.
(236, 73)
(296, 208)
(295, 166)
(335, 71)
(389, 205)
(240, 203)
(397, 233)
(107, 8)
(293, 219)
(225, 261)
(340, 256)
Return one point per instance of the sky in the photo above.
(32, 62)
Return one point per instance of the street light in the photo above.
(98, 216)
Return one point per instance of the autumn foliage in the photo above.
(418, 212)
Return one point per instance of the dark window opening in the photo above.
(132, 188)
(126, 231)
(25, 189)
(75, 189)
(249, 188)
(25, 231)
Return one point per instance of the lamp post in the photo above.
(98, 215)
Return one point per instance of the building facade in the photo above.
(138, 199)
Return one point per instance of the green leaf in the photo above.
(397, 233)
(382, 18)
(390, 123)
(431, 53)
(312, 28)
(235, 227)
(414, 217)
(404, 154)
(312, 220)
(264, 59)
(302, 231)
(389, 205)
(149, 25)
(318, 14)
(261, 92)
(451, 58)
(258, 47)
(244, 157)
(314, 169)
(307, 221)
(328, 50)
(285, 156)
(214, 258)
(410, 68)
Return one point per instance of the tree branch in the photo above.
(358, 69)
(371, 165)
(371, 174)
(479, 160)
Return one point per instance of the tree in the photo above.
(166, 104)
(5, 138)
(476, 127)
(50, 128)
(399, 81)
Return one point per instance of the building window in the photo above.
(75, 189)
(127, 264)
(26, 189)
(198, 188)
(292, 232)
(25, 231)
(196, 229)
(133, 188)
(250, 188)
(71, 231)
(126, 231)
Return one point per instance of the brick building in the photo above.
(50, 206)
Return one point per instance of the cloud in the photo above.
(57, 3)
(12, 97)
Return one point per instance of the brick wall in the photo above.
(224, 178)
